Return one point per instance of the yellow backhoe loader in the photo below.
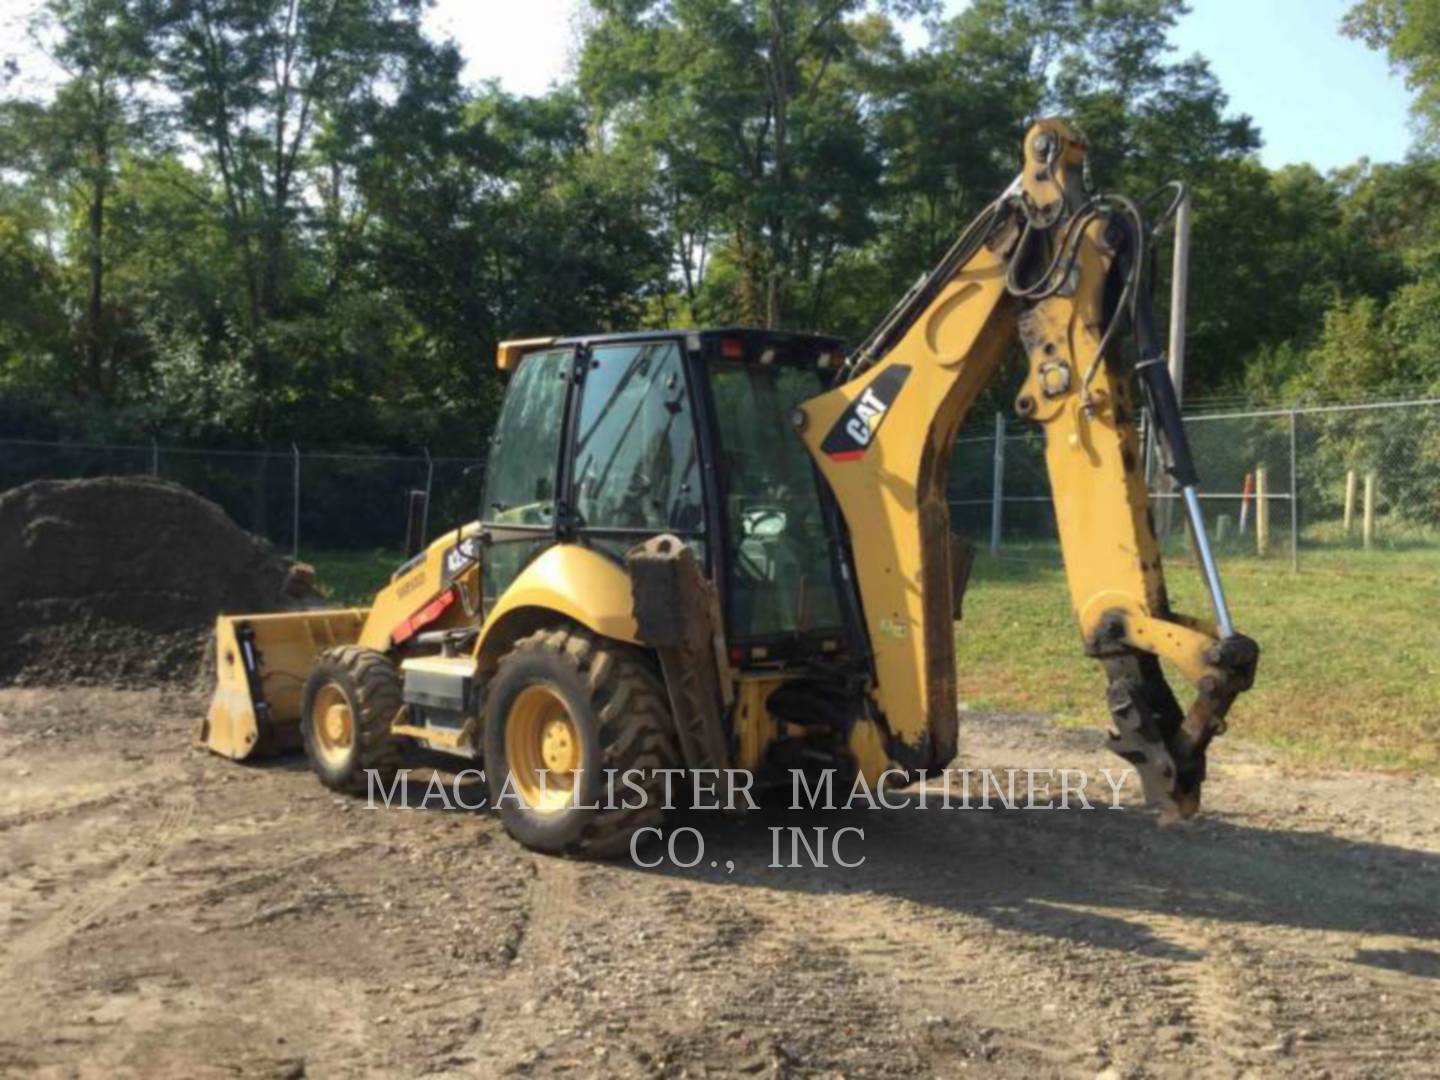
(732, 548)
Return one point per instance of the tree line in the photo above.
(248, 222)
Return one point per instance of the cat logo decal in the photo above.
(855, 430)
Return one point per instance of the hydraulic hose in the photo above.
(1160, 392)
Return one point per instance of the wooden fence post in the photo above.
(1262, 513)
(1349, 501)
(1369, 526)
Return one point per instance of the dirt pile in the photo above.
(118, 580)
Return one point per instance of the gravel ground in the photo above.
(167, 913)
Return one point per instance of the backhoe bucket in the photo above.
(261, 664)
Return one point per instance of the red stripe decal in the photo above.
(426, 615)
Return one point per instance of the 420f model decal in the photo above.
(853, 432)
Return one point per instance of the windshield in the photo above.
(782, 576)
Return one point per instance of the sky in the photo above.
(1316, 96)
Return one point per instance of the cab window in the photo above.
(525, 449)
(782, 571)
(636, 465)
(519, 506)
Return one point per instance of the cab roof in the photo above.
(749, 342)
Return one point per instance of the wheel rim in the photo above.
(333, 725)
(542, 748)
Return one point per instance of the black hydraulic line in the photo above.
(1179, 189)
(903, 315)
(250, 662)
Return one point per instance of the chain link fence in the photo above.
(296, 499)
(1335, 485)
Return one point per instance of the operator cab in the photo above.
(609, 440)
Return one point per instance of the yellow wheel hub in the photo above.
(333, 725)
(558, 746)
(542, 745)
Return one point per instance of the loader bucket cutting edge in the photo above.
(261, 664)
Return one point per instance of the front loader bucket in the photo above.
(261, 664)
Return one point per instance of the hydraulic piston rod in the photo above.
(1207, 562)
(1155, 374)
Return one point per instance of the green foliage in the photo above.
(1409, 33)
(755, 117)
(1415, 332)
(258, 221)
(70, 147)
(198, 390)
(1367, 350)
(32, 315)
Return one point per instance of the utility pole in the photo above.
(997, 488)
(295, 524)
(1179, 288)
(1179, 276)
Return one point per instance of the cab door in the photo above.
(635, 464)
(521, 511)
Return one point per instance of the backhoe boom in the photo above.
(1064, 272)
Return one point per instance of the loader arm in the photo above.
(1063, 272)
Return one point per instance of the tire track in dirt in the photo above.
(550, 911)
(210, 896)
(1206, 1004)
(138, 848)
(708, 976)
(118, 793)
(512, 1027)
(1322, 1008)
(54, 813)
(968, 992)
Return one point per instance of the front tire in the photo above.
(350, 701)
(581, 709)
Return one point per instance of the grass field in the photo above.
(1350, 650)
(353, 577)
(1350, 646)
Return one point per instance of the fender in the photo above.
(574, 582)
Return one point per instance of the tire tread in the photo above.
(635, 731)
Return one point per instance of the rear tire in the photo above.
(350, 701)
(576, 705)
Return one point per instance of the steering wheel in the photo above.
(754, 515)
